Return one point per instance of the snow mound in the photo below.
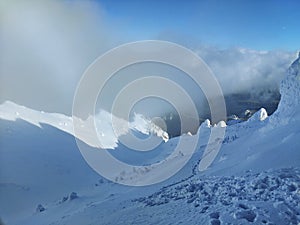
(260, 115)
(221, 124)
(206, 124)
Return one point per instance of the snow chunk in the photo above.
(263, 114)
(221, 124)
(260, 115)
(206, 124)
(248, 215)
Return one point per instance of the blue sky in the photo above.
(261, 25)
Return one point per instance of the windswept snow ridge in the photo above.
(108, 138)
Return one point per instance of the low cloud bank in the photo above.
(46, 46)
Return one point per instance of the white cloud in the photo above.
(248, 71)
(46, 46)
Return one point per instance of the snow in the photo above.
(233, 198)
(107, 135)
(260, 115)
(221, 124)
(288, 108)
(253, 179)
(206, 124)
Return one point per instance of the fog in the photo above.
(46, 46)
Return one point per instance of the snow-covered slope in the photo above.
(108, 139)
(253, 180)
